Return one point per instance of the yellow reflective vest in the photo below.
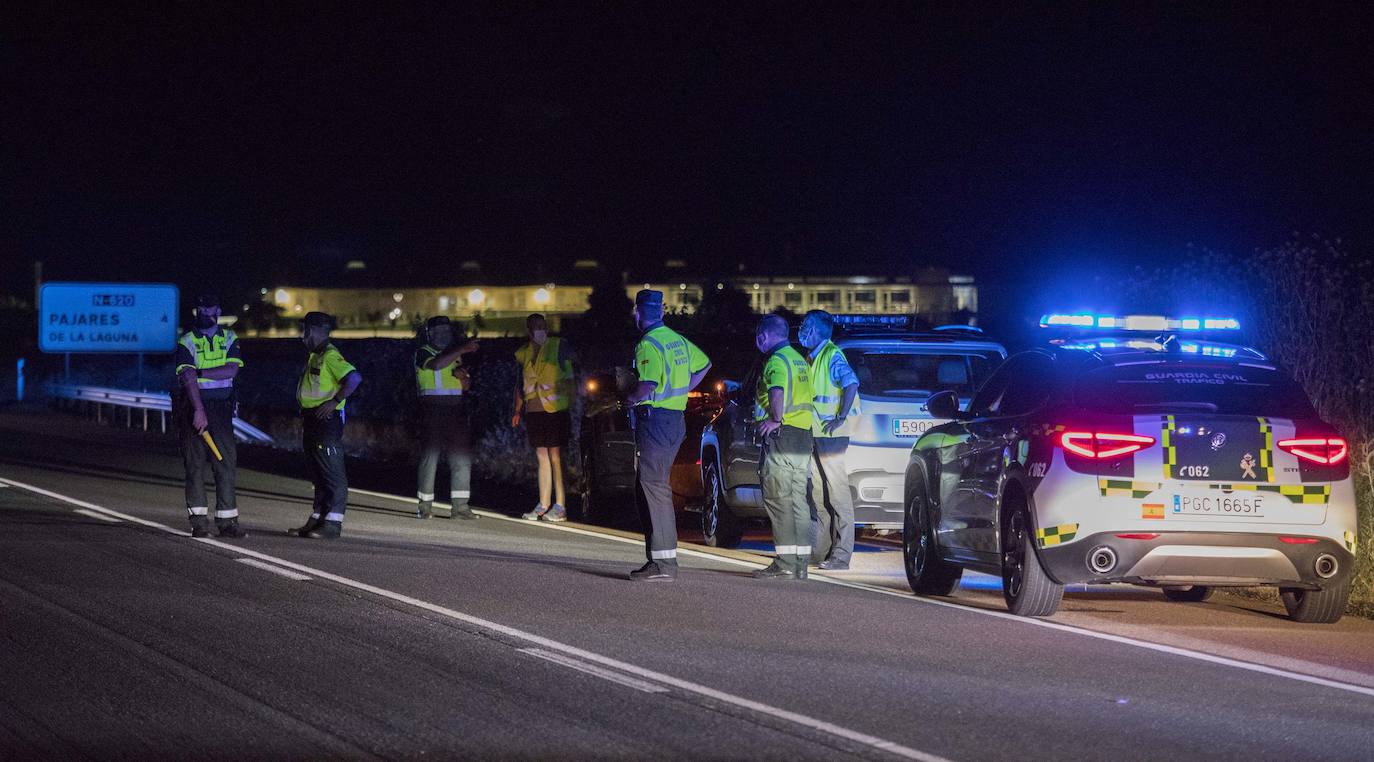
(436, 382)
(786, 369)
(826, 394)
(548, 383)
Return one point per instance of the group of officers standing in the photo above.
(802, 408)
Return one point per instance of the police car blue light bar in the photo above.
(1158, 323)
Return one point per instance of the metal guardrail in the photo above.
(147, 402)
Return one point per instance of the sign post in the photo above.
(127, 318)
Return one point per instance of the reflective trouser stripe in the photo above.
(314, 516)
(460, 493)
(232, 513)
(333, 517)
(198, 511)
(785, 550)
(802, 550)
(663, 555)
(425, 496)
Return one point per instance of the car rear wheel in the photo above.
(926, 572)
(1188, 593)
(591, 508)
(719, 526)
(1325, 606)
(1027, 589)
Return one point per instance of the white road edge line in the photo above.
(592, 669)
(795, 718)
(96, 515)
(1005, 616)
(256, 564)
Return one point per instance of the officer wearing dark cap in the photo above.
(207, 361)
(325, 385)
(441, 382)
(669, 366)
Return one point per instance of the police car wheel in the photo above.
(1188, 593)
(590, 510)
(1325, 606)
(1027, 589)
(719, 526)
(926, 572)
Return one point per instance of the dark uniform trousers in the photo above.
(658, 435)
(444, 432)
(220, 416)
(322, 442)
(783, 470)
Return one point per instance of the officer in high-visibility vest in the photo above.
(442, 382)
(835, 389)
(207, 361)
(669, 366)
(325, 385)
(543, 395)
(783, 412)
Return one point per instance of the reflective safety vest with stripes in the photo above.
(320, 381)
(796, 389)
(437, 382)
(548, 384)
(676, 382)
(826, 394)
(211, 352)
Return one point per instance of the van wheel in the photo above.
(926, 572)
(719, 526)
(1325, 606)
(1188, 593)
(1027, 589)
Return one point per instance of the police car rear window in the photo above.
(885, 373)
(1224, 389)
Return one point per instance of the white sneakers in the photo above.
(536, 514)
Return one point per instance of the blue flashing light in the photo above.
(1190, 324)
(1141, 323)
(1221, 324)
(1077, 321)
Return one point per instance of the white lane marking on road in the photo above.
(592, 669)
(93, 507)
(795, 718)
(96, 515)
(1005, 616)
(256, 564)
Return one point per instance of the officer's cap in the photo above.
(207, 301)
(437, 321)
(649, 298)
(318, 320)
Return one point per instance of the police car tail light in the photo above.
(1101, 445)
(1326, 451)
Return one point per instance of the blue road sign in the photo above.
(107, 317)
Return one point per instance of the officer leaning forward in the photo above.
(207, 360)
(835, 387)
(327, 382)
(669, 367)
(784, 414)
(442, 381)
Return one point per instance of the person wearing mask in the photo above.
(835, 397)
(207, 362)
(441, 382)
(783, 416)
(324, 388)
(542, 397)
(669, 366)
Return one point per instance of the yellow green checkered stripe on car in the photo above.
(1308, 494)
(1350, 541)
(1166, 440)
(1125, 488)
(1266, 455)
(1056, 535)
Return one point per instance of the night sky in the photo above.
(258, 145)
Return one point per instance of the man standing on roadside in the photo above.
(325, 386)
(207, 361)
(441, 382)
(544, 395)
(669, 367)
(835, 389)
(782, 410)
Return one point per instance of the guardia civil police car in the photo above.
(898, 368)
(1151, 458)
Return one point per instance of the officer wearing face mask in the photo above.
(207, 361)
(326, 384)
(835, 396)
(442, 382)
(543, 396)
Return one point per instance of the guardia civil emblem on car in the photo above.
(1218, 441)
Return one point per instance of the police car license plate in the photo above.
(1237, 505)
(913, 427)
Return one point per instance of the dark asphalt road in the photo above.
(497, 638)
